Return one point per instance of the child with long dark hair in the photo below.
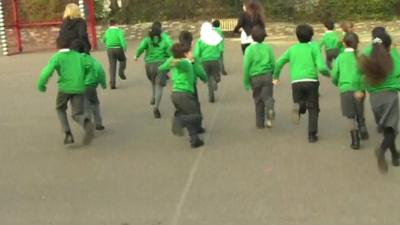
(259, 65)
(347, 76)
(157, 51)
(305, 65)
(380, 64)
(208, 50)
(253, 15)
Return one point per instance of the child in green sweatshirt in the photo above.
(332, 42)
(208, 50)
(259, 65)
(71, 69)
(217, 27)
(186, 39)
(114, 40)
(157, 51)
(305, 64)
(347, 76)
(187, 111)
(94, 78)
(380, 63)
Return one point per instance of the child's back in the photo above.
(114, 37)
(71, 70)
(259, 59)
(96, 74)
(346, 74)
(155, 50)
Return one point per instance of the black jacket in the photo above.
(247, 23)
(76, 29)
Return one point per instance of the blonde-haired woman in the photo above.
(74, 26)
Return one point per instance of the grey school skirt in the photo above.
(385, 106)
(155, 75)
(351, 107)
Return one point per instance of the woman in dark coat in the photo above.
(253, 15)
(74, 26)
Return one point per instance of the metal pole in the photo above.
(92, 22)
(3, 36)
(16, 25)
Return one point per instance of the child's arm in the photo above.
(272, 55)
(199, 71)
(285, 58)
(167, 65)
(142, 47)
(336, 72)
(197, 50)
(322, 42)
(46, 73)
(104, 39)
(246, 70)
(319, 62)
(239, 25)
(122, 40)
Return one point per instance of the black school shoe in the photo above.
(396, 161)
(89, 132)
(100, 127)
(69, 138)
(196, 142)
(157, 113)
(201, 130)
(364, 133)
(355, 139)
(312, 137)
(122, 76)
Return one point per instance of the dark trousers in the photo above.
(212, 69)
(77, 109)
(92, 105)
(187, 112)
(263, 95)
(306, 97)
(331, 55)
(222, 64)
(244, 47)
(116, 55)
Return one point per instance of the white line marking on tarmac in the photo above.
(193, 171)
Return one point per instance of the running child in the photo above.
(332, 43)
(114, 40)
(259, 65)
(94, 78)
(156, 51)
(186, 39)
(208, 50)
(187, 114)
(305, 64)
(71, 70)
(347, 76)
(217, 27)
(380, 64)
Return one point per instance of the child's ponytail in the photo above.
(379, 64)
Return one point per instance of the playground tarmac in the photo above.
(137, 173)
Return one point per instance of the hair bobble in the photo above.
(377, 41)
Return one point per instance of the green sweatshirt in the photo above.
(96, 74)
(71, 69)
(305, 63)
(206, 52)
(330, 40)
(153, 52)
(198, 69)
(346, 74)
(220, 32)
(183, 77)
(392, 82)
(114, 37)
(259, 59)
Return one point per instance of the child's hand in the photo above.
(275, 82)
(42, 89)
(359, 95)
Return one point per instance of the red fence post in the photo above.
(92, 22)
(16, 25)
